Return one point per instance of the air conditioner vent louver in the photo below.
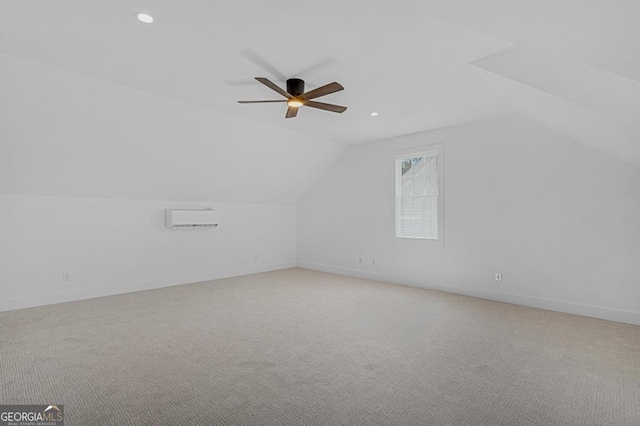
(191, 218)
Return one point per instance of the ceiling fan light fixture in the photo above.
(295, 103)
(145, 17)
(296, 97)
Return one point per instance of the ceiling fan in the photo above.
(296, 96)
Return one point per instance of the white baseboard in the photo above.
(610, 314)
(89, 293)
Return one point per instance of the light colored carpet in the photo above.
(304, 347)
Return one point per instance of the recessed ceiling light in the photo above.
(373, 114)
(145, 17)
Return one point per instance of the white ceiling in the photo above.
(392, 57)
(574, 65)
(95, 103)
(598, 108)
(64, 134)
(602, 34)
(407, 59)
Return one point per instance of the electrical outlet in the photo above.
(499, 277)
(360, 261)
(373, 262)
(66, 277)
(255, 256)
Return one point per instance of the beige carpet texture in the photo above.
(299, 347)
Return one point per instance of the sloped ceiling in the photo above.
(64, 134)
(95, 103)
(391, 57)
(574, 65)
(603, 34)
(598, 108)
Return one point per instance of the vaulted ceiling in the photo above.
(390, 56)
(88, 90)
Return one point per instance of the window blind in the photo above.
(417, 195)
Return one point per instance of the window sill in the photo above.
(418, 238)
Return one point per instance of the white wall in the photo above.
(558, 219)
(114, 246)
(78, 158)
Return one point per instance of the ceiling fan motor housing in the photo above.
(295, 86)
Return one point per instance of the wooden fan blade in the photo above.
(291, 112)
(326, 107)
(259, 102)
(274, 87)
(323, 90)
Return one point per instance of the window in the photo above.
(417, 195)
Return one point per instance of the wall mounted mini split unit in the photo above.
(191, 218)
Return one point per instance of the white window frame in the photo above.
(438, 150)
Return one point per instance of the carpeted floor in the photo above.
(304, 347)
